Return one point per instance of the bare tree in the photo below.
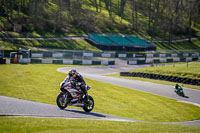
(68, 3)
(96, 5)
(122, 5)
(109, 7)
(149, 13)
(134, 7)
(174, 7)
(192, 7)
(155, 16)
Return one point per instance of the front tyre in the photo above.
(89, 107)
(61, 101)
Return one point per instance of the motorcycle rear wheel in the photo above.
(61, 103)
(89, 107)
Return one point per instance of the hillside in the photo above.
(153, 20)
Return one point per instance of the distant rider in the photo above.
(177, 87)
(75, 78)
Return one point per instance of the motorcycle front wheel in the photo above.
(61, 101)
(89, 107)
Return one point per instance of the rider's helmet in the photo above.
(72, 72)
(176, 85)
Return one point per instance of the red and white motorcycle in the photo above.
(70, 96)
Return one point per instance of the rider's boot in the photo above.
(86, 98)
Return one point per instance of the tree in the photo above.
(192, 6)
(68, 3)
(109, 7)
(155, 16)
(149, 14)
(174, 8)
(122, 5)
(134, 14)
(96, 5)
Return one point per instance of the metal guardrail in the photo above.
(177, 51)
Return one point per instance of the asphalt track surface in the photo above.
(18, 107)
(98, 72)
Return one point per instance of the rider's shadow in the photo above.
(85, 113)
(186, 96)
(183, 96)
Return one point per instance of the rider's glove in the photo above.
(78, 83)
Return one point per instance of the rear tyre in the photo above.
(61, 102)
(182, 94)
(89, 107)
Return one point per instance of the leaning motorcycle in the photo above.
(74, 97)
(179, 91)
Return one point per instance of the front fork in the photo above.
(64, 96)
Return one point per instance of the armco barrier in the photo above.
(111, 62)
(169, 60)
(110, 55)
(182, 59)
(57, 61)
(77, 62)
(162, 77)
(162, 60)
(36, 61)
(47, 55)
(96, 62)
(65, 62)
(69, 54)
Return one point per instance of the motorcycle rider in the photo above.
(75, 78)
(177, 87)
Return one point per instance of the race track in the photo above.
(98, 72)
(18, 107)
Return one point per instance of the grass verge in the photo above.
(83, 45)
(41, 83)
(59, 44)
(195, 45)
(187, 70)
(117, 75)
(52, 125)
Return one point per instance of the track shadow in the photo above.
(186, 96)
(183, 96)
(85, 113)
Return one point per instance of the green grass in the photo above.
(195, 44)
(177, 69)
(190, 70)
(60, 44)
(117, 75)
(41, 83)
(77, 32)
(8, 45)
(82, 44)
(52, 125)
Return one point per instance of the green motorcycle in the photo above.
(179, 90)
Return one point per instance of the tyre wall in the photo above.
(162, 77)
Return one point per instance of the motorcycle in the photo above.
(74, 96)
(179, 91)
